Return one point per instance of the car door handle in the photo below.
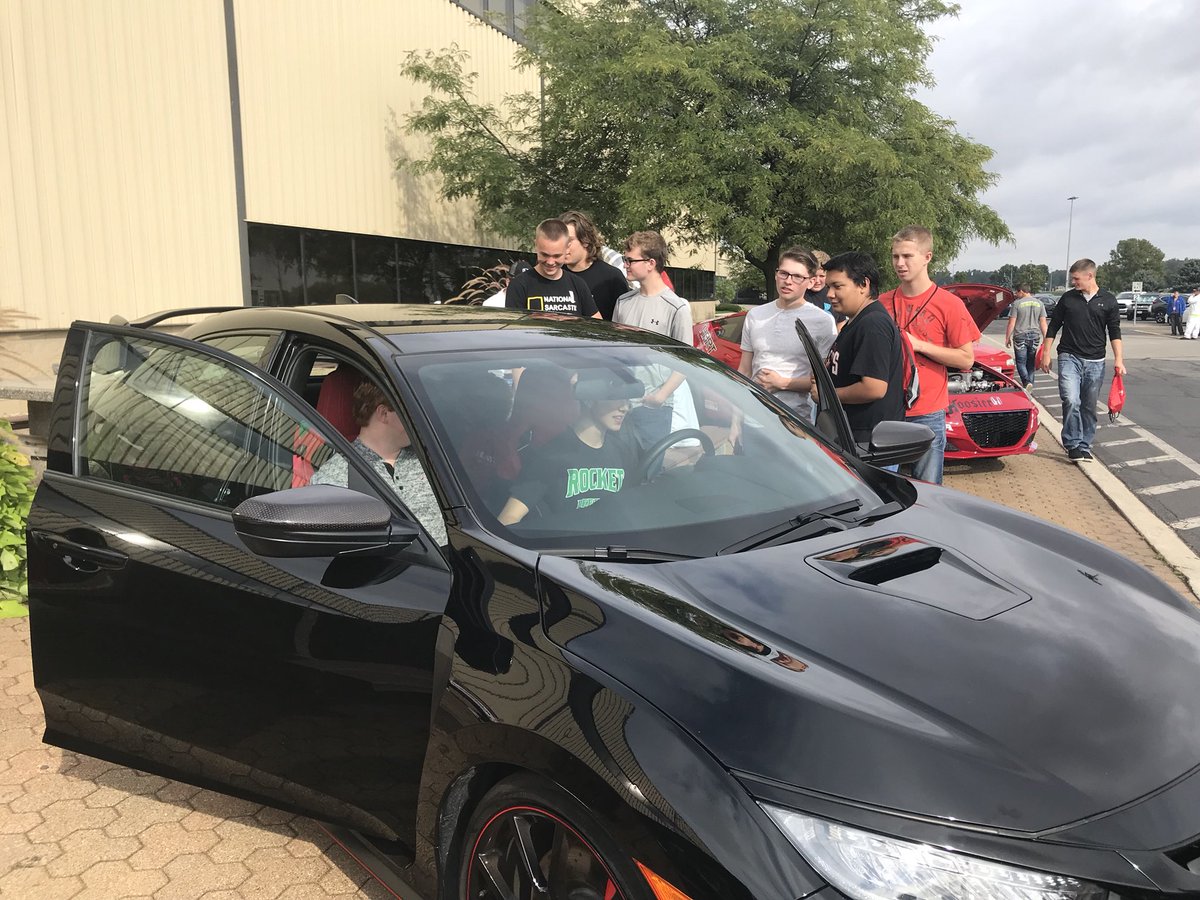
(81, 557)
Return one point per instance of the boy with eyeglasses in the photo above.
(772, 353)
(653, 306)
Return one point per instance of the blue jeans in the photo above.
(929, 466)
(1079, 383)
(1025, 351)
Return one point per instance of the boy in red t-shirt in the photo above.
(942, 336)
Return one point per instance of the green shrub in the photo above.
(16, 495)
(728, 307)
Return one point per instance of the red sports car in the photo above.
(989, 415)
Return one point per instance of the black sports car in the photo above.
(505, 650)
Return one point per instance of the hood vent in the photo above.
(912, 569)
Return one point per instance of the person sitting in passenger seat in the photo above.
(384, 443)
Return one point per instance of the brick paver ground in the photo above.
(74, 827)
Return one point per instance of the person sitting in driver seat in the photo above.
(589, 461)
(384, 443)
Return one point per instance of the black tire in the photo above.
(573, 853)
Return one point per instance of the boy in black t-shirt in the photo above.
(549, 286)
(866, 360)
(589, 461)
(606, 282)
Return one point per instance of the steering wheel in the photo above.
(653, 454)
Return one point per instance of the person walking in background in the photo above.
(583, 259)
(942, 335)
(1026, 329)
(550, 286)
(1176, 306)
(1193, 315)
(866, 359)
(1085, 315)
(772, 352)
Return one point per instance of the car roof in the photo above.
(414, 328)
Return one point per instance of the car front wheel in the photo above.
(528, 838)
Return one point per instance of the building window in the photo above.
(693, 284)
(298, 266)
(507, 16)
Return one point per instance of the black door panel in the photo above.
(159, 637)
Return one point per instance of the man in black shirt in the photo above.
(1086, 315)
(866, 360)
(606, 282)
(549, 286)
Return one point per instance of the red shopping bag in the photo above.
(1116, 397)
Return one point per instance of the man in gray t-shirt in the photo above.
(1026, 329)
(667, 405)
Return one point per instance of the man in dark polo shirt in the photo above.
(1086, 316)
(866, 359)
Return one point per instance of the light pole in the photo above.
(1070, 221)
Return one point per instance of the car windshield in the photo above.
(565, 447)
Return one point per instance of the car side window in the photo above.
(250, 348)
(731, 329)
(189, 425)
(356, 406)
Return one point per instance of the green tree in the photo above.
(1171, 269)
(1036, 275)
(757, 123)
(1007, 275)
(1133, 259)
(1189, 274)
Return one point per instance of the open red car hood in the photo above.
(985, 302)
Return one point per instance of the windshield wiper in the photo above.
(805, 525)
(617, 554)
(882, 511)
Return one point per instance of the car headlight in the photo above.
(1009, 361)
(868, 866)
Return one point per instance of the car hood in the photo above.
(1011, 674)
(984, 302)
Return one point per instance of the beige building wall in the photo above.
(116, 159)
(118, 179)
(323, 107)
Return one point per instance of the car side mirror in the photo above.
(893, 443)
(319, 520)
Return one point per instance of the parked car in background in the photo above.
(1158, 309)
(1049, 301)
(990, 414)
(1134, 304)
(1142, 306)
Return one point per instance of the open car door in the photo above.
(891, 442)
(170, 633)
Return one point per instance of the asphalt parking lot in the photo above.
(1154, 447)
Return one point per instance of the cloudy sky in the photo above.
(1094, 98)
